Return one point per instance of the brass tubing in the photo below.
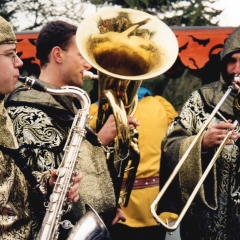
(180, 163)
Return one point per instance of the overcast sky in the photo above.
(230, 16)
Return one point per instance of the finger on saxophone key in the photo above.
(75, 188)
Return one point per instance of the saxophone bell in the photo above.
(89, 227)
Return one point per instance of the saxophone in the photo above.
(58, 203)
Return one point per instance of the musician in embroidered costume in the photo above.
(42, 121)
(15, 216)
(215, 212)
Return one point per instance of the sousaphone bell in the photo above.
(126, 46)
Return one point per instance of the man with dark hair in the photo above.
(52, 36)
(215, 211)
(15, 216)
(42, 121)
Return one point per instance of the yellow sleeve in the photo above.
(171, 112)
(93, 111)
(168, 217)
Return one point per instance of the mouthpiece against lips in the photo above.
(32, 83)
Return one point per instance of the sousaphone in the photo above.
(126, 46)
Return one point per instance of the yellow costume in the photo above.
(154, 115)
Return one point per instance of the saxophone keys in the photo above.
(53, 197)
(66, 224)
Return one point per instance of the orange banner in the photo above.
(197, 46)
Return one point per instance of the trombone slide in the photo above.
(180, 163)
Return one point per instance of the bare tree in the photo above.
(7, 8)
(173, 12)
(32, 14)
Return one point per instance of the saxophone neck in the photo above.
(76, 92)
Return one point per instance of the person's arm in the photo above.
(170, 111)
(40, 140)
(73, 193)
(108, 132)
(181, 133)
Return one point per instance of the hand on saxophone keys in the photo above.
(73, 193)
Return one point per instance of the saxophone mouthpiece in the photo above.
(32, 83)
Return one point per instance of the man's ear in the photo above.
(56, 54)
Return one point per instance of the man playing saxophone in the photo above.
(215, 211)
(42, 121)
(16, 221)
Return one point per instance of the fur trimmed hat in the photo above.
(6, 32)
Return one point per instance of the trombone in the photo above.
(175, 225)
